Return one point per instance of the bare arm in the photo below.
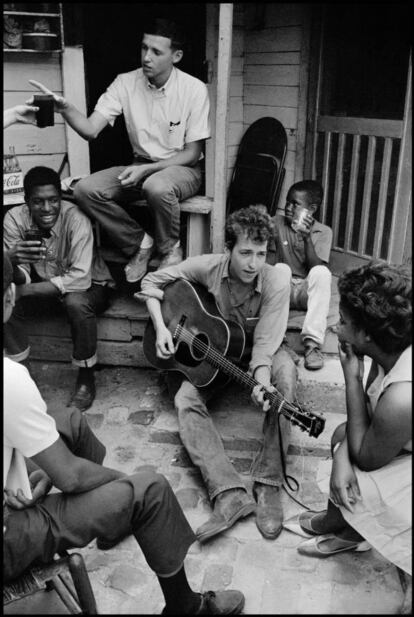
(70, 473)
(25, 114)
(374, 441)
(87, 127)
(311, 257)
(164, 342)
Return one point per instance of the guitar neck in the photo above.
(219, 361)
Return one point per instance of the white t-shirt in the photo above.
(159, 121)
(28, 429)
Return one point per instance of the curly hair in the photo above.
(377, 297)
(253, 221)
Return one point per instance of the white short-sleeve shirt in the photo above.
(159, 121)
(28, 429)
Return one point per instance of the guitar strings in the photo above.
(237, 373)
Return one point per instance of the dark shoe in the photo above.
(84, 395)
(174, 257)
(229, 602)
(229, 506)
(269, 513)
(313, 358)
(137, 267)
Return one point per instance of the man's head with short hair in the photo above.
(40, 176)
(312, 188)
(161, 26)
(43, 192)
(304, 194)
(253, 222)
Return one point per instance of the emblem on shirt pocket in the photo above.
(173, 125)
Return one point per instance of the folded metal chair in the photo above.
(259, 169)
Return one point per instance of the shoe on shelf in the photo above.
(172, 258)
(302, 524)
(229, 602)
(137, 267)
(331, 544)
(269, 513)
(313, 357)
(229, 507)
(84, 394)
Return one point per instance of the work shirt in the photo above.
(263, 314)
(27, 427)
(71, 263)
(159, 121)
(288, 247)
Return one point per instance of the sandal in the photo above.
(302, 524)
(313, 547)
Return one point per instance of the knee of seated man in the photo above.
(150, 480)
(156, 190)
(284, 272)
(76, 305)
(320, 273)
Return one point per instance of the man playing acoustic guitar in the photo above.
(256, 295)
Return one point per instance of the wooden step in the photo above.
(120, 331)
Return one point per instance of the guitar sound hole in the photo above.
(200, 346)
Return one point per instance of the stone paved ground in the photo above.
(134, 418)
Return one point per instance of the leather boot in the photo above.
(269, 513)
(85, 390)
(229, 506)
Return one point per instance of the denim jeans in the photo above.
(313, 294)
(101, 196)
(204, 445)
(81, 309)
(142, 504)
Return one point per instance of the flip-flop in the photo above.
(312, 547)
(301, 524)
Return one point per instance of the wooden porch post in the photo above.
(218, 214)
(400, 228)
(73, 76)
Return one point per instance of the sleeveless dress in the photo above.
(383, 516)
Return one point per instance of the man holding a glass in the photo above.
(50, 244)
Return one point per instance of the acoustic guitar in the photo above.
(207, 347)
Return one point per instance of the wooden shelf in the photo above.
(31, 14)
(34, 51)
(26, 16)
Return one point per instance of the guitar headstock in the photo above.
(306, 420)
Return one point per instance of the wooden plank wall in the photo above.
(34, 146)
(272, 75)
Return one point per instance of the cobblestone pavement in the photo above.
(135, 419)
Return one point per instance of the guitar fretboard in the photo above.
(216, 359)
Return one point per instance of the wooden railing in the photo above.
(357, 162)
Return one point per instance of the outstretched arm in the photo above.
(87, 127)
(25, 114)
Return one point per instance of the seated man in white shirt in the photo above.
(94, 502)
(166, 117)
